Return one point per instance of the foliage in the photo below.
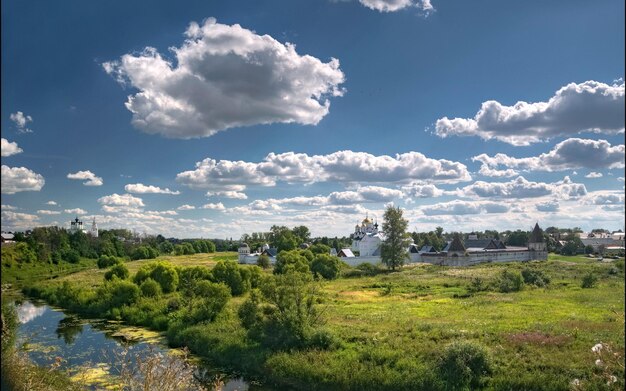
(71, 256)
(117, 293)
(589, 280)
(290, 260)
(464, 365)
(326, 266)
(162, 272)
(210, 299)
(120, 271)
(510, 281)
(517, 238)
(573, 245)
(394, 248)
(320, 248)
(283, 238)
(230, 274)
(535, 277)
(286, 315)
(263, 261)
(106, 261)
(150, 288)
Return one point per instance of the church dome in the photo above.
(367, 221)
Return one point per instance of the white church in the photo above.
(77, 225)
(367, 239)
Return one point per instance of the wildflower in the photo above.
(599, 363)
(612, 379)
(597, 348)
(575, 383)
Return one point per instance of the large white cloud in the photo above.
(48, 212)
(341, 166)
(237, 195)
(586, 107)
(124, 200)
(9, 148)
(569, 154)
(16, 179)
(89, 177)
(225, 76)
(520, 188)
(15, 220)
(397, 5)
(460, 207)
(21, 121)
(139, 188)
(76, 211)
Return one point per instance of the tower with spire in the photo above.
(94, 228)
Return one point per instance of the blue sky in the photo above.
(312, 112)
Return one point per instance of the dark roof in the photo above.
(537, 235)
(456, 244)
(270, 252)
(477, 243)
(427, 249)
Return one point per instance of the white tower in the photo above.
(94, 228)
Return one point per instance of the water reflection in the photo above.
(28, 311)
(68, 328)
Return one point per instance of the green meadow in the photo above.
(391, 330)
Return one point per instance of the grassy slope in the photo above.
(540, 337)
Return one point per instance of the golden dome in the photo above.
(367, 221)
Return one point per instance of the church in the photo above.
(367, 239)
(77, 225)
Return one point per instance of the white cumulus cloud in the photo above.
(341, 166)
(186, 207)
(21, 121)
(89, 177)
(575, 108)
(593, 175)
(214, 206)
(16, 179)
(397, 5)
(124, 200)
(9, 148)
(568, 154)
(460, 207)
(224, 77)
(48, 212)
(138, 188)
(76, 211)
(237, 195)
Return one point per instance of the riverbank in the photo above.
(392, 330)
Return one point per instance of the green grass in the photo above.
(394, 326)
(27, 273)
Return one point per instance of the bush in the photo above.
(368, 269)
(162, 272)
(150, 288)
(228, 272)
(263, 261)
(327, 266)
(477, 285)
(211, 298)
(120, 271)
(107, 261)
(291, 260)
(510, 281)
(463, 365)
(71, 256)
(118, 293)
(535, 277)
(589, 281)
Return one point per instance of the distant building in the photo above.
(7, 238)
(366, 238)
(345, 253)
(248, 257)
(77, 225)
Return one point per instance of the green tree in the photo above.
(228, 272)
(302, 233)
(286, 260)
(263, 261)
(397, 240)
(517, 238)
(120, 271)
(326, 266)
(283, 238)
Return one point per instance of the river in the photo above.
(97, 351)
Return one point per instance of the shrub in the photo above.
(535, 277)
(229, 273)
(188, 277)
(211, 298)
(165, 274)
(463, 365)
(291, 260)
(107, 261)
(162, 272)
(71, 256)
(589, 281)
(477, 285)
(510, 281)
(368, 269)
(120, 271)
(150, 288)
(327, 266)
(119, 292)
(263, 261)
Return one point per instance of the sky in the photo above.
(213, 119)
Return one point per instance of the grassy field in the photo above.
(393, 327)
